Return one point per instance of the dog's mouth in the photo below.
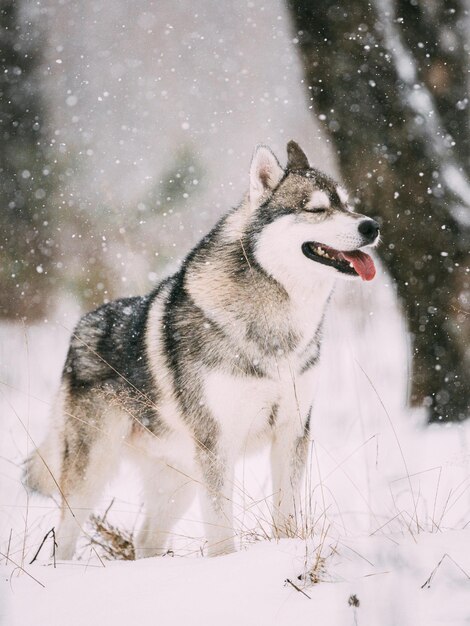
(352, 262)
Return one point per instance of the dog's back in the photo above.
(108, 347)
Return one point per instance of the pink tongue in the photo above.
(362, 263)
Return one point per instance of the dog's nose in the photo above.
(369, 229)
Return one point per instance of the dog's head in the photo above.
(301, 220)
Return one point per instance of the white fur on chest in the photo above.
(306, 316)
(241, 405)
(246, 408)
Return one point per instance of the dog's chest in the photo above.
(306, 314)
(247, 407)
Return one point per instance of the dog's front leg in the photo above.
(217, 470)
(288, 457)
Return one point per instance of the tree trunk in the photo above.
(390, 82)
(27, 247)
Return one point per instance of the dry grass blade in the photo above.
(400, 448)
(116, 543)
(317, 570)
(427, 582)
(19, 567)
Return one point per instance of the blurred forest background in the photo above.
(127, 130)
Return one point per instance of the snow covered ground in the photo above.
(384, 522)
(251, 588)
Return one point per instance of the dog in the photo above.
(219, 358)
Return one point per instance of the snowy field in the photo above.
(383, 533)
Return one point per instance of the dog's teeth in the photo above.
(318, 250)
(351, 265)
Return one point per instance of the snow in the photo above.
(251, 588)
(386, 503)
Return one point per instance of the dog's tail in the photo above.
(41, 468)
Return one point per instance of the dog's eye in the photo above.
(314, 210)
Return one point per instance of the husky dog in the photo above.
(220, 356)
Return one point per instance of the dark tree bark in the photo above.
(389, 79)
(27, 248)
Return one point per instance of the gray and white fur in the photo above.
(221, 356)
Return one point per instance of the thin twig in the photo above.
(54, 546)
(46, 536)
(288, 581)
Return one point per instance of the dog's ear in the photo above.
(265, 174)
(296, 157)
